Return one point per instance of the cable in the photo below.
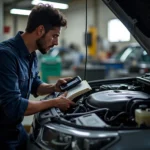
(85, 39)
(85, 113)
(114, 117)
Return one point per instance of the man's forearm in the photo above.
(45, 88)
(37, 106)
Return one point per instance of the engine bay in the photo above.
(111, 103)
(111, 111)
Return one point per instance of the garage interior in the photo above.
(93, 32)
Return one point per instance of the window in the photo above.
(145, 57)
(117, 32)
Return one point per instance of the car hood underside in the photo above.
(135, 15)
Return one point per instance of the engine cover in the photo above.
(115, 100)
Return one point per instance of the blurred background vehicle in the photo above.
(131, 60)
(135, 59)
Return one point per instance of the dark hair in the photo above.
(46, 15)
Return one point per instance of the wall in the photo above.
(16, 23)
(76, 21)
(8, 21)
(105, 16)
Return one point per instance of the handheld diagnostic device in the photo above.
(71, 83)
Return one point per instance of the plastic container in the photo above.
(142, 117)
(50, 66)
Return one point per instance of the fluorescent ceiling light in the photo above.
(20, 11)
(36, 2)
(54, 4)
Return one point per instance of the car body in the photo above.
(115, 114)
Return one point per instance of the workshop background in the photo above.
(112, 51)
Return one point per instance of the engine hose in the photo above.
(80, 114)
(136, 105)
(78, 108)
(129, 103)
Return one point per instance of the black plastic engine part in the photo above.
(114, 100)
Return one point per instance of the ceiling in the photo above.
(25, 4)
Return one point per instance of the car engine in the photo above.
(111, 103)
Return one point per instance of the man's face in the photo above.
(48, 40)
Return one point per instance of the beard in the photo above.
(40, 45)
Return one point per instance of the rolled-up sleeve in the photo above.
(35, 84)
(11, 102)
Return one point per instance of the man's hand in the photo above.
(60, 82)
(63, 103)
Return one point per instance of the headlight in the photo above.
(60, 137)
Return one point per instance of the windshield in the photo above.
(128, 53)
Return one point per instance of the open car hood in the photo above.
(135, 15)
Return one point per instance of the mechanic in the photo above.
(19, 75)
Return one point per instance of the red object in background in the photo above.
(6, 29)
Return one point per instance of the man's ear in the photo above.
(40, 30)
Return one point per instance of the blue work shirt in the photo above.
(17, 80)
